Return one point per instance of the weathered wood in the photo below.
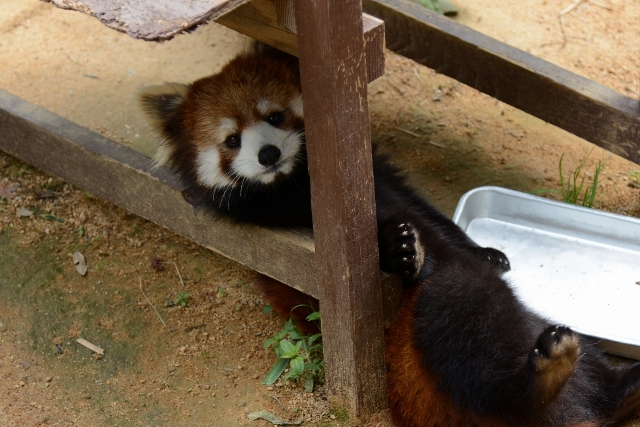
(271, 22)
(125, 177)
(571, 102)
(334, 91)
(153, 20)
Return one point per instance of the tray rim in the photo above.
(611, 343)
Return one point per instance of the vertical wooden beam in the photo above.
(334, 90)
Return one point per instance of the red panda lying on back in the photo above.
(463, 351)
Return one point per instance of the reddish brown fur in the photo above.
(284, 298)
(414, 399)
(234, 93)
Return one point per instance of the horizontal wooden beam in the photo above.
(571, 102)
(126, 178)
(272, 22)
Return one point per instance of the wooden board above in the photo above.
(153, 20)
(269, 21)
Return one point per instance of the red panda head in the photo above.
(241, 125)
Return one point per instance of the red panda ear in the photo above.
(162, 101)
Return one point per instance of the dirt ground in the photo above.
(202, 364)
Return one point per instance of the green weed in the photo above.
(433, 5)
(302, 354)
(182, 299)
(635, 179)
(573, 188)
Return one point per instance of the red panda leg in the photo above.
(414, 397)
(554, 360)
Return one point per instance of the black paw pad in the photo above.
(553, 360)
(556, 345)
(406, 255)
(494, 257)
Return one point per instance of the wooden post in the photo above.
(334, 90)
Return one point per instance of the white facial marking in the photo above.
(296, 107)
(266, 106)
(225, 128)
(255, 137)
(208, 169)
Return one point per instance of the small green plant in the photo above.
(200, 274)
(182, 299)
(137, 230)
(572, 187)
(635, 179)
(433, 5)
(302, 354)
(340, 414)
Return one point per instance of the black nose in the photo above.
(268, 155)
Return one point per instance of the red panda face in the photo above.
(241, 126)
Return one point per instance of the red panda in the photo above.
(463, 351)
(236, 140)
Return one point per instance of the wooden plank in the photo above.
(334, 91)
(571, 102)
(125, 177)
(271, 22)
(153, 20)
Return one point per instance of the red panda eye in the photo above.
(232, 141)
(276, 119)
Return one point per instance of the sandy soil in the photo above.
(201, 365)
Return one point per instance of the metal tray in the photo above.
(575, 266)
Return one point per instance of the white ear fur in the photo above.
(296, 107)
(162, 156)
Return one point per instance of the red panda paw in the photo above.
(553, 358)
(493, 257)
(406, 254)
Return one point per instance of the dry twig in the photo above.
(179, 276)
(569, 9)
(408, 132)
(275, 397)
(154, 309)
